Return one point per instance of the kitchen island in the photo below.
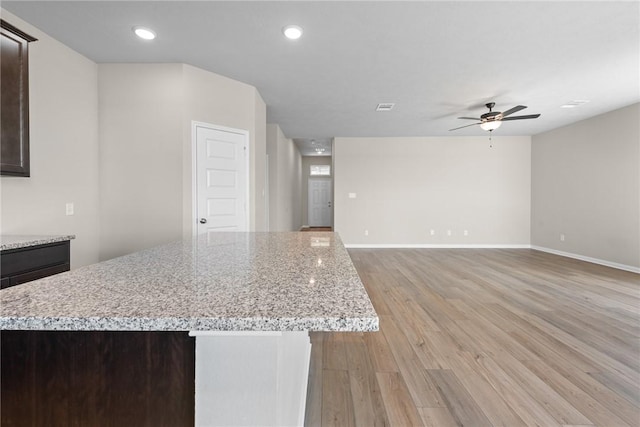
(249, 299)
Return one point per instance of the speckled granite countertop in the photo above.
(223, 282)
(18, 242)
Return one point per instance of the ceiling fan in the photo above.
(493, 119)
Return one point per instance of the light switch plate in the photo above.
(352, 195)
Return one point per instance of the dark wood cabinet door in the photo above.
(14, 100)
(97, 378)
(22, 265)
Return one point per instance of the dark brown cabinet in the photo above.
(33, 262)
(97, 378)
(14, 101)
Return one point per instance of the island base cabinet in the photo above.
(251, 378)
(96, 378)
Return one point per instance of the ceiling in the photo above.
(435, 60)
(314, 146)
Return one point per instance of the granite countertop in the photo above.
(17, 242)
(220, 282)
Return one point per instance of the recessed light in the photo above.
(292, 32)
(386, 106)
(144, 33)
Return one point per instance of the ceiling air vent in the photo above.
(575, 103)
(385, 106)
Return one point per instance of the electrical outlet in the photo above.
(465, 232)
(562, 237)
(352, 195)
(366, 232)
(432, 232)
(448, 232)
(69, 208)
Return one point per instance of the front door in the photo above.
(221, 179)
(320, 204)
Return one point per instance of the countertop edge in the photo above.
(360, 324)
(28, 241)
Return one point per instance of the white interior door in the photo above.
(320, 202)
(221, 179)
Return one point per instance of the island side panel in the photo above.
(74, 378)
(251, 378)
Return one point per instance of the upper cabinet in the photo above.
(14, 101)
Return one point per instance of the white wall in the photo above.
(259, 165)
(586, 185)
(285, 181)
(146, 112)
(115, 140)
(214, 99)
(307, 161)
(63, 101)
(407, 186)
(141, 107)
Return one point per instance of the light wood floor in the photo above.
(483, 338)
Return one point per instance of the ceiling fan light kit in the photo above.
(493, 119)
(492, 125)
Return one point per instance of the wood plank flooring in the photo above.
(483, 337)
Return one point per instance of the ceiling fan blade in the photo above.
(530, 116)
(513, 110)
(470, 118)
(466, 126)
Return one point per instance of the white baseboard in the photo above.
(588, 259)
(435, 246)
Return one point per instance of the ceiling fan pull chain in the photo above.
(490, 141)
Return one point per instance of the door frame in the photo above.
(319, 178)
(194, 170)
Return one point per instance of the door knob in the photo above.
(203, 220)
